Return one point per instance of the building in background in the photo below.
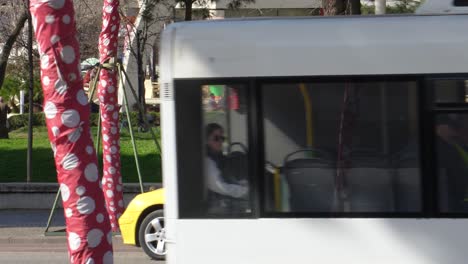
(213, 10)
(261, 8)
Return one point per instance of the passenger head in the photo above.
(214, 137)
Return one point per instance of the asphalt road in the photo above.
(20, 257)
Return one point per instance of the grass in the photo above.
(13, 157)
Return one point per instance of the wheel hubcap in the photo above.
(155, 236)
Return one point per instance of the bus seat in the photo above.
(235, 166)
(407, 184)
(443, 190)
(311, 184)
(369, 182)
(235, 170)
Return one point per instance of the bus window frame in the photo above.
(427, 110)
(252, 149)
(433, 109)
(417, 79)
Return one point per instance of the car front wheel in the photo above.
(152, 236)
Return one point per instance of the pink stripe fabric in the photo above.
(107, 87)
(67, 115)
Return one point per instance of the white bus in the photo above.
(342, 140)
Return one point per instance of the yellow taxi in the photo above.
(142, 223)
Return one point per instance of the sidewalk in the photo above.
(25, 210)
(22, 240)
(28, 235)
(20, 227)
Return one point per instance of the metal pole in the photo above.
(93, 89)
(384, 119)
(31, 86)
(98, 135)
(140, 76)
(93, 84)
(121, 70)
(52, 211)
(380, 7)
(22, 102)
(135, 151)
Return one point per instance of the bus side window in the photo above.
(348, 134)
(225, 137)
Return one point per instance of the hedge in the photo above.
(18, 121)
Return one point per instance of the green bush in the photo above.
(400, 7)
(123, 117)
(19, 121)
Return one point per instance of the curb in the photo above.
(42, 239)
(36, 240)
(42, 195)
(45, 240)
(20, 187)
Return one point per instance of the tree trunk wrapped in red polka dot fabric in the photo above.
(67, 115)
(107, 87)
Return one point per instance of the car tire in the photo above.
(152, 235)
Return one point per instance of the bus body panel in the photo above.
(321, 47)
(308, 47)
(168, 141)
(267, 241)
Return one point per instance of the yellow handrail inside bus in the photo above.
(277, 184)
(309, 138)
(308, 113)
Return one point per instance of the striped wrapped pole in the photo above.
(67, 115)
(107, 87)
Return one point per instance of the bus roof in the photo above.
(319, 46)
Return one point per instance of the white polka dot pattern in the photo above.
(68, 54)
(74, 241)
(55, 131)
(70, 118)
(94, 237)
(65, 192)
(80, 190)
(85, 205)
(67, 116)
(68, 212)
(66, 19)
(54, 39)
(108, 258)
(70, 161)
(89, 150)
(109, 110)
(56, 4)
(44, 61)
(61, 86)
(82, 98)
(50, 110)
(75, 135)
(109, 238)
(91, 172)
(46, 81)
(100, 218)
(50, 19)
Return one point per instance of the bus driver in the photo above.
(223, 195)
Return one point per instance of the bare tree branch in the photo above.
(9, 45)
